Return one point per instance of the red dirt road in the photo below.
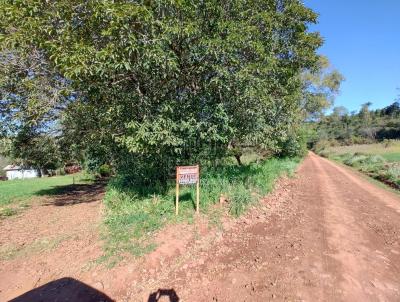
(325, 235)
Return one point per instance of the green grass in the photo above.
(392, 157)
(380, 161)
(375, 166)
(389, 149)
(134, 213)
(12, 191)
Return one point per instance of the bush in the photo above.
(393, 174)
(295, 145)
(355, 160)
(325, 153)
(323, 146)
(375, 159)
(105, 170)
(375, 166)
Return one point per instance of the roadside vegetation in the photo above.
(344, 128)
(135, 212)
(380, 160)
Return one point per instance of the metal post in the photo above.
(198, 191)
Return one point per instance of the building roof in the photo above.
(12, 167)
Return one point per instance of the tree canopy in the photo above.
(159, 83)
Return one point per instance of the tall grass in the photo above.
(133, 212)
(375, 166)
(391, 147)
(380, 160)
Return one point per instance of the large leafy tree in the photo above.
(165, 82)
(321, 86)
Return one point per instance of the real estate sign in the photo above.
(186, 175)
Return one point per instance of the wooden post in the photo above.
(177, 192)
(198, 191)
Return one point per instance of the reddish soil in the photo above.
(326, 235)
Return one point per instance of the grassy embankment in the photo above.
(16, 194)
(380, 161)
(134, 213)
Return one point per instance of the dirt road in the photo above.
(325, 235)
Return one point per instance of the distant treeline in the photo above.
(365, 126)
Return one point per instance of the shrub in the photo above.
(325, 153)
(295, 145)
(393, 174)
(105, 170)
(375, 159)
(321, 146)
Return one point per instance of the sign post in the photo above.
(186, 175)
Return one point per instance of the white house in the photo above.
(17, 172)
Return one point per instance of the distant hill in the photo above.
(365, 126)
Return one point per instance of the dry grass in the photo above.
(388, 150)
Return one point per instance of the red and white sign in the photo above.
(187, 174)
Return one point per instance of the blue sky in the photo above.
(362, 40)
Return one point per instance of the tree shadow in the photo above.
(160, 293)
(186, 197)
(63, 290)
(73, 194)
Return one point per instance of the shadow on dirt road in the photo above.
(64, 289)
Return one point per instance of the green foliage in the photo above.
(3, 163)
(375, 166)
(240, 199)
(135, 211)
(392, 157)
(156, 83)
(296, 143)
(393, 174)
(35, 150)
(366, 126)
(321, 86)
(105, 170)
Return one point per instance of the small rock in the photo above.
(99, 285)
